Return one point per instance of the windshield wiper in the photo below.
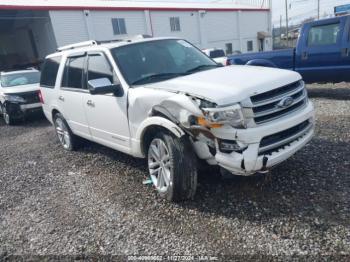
(200, 68)
(163, 76)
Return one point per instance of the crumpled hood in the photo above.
(231, 84)
(20, 89)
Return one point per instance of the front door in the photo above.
(319, 55)
(106, 114)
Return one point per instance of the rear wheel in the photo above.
(64, 134)
(172, 167)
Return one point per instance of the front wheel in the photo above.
(8, 118)
(172, 167)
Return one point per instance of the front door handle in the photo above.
(345, 52)
(61, 98)
(304, 55)
(90, 103)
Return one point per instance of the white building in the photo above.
(31, 29)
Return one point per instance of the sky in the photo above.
(301, 9)
(298, 9)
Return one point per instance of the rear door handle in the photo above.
(304, 55)
(345, 52)
(61, 98)
(90, 103)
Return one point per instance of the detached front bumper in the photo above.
(267, 145)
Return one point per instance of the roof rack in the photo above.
(100, 42)
(77, 45)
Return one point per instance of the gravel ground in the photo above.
(93, 202)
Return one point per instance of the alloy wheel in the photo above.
(159, 165)
(63, 133)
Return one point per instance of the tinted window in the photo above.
(49, 72)
(217, 53)
(99, 67)
(73, 72)
(323, 35)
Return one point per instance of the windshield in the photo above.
(19, 79)
(159, 60)
(217, 53)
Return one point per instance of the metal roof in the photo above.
(121, 5)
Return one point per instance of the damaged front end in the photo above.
(212, 129)
(228, 136)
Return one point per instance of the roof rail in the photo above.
(77, 45)
(100, 42)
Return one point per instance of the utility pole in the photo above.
(318, 9)
(287, 23)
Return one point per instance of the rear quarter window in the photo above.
(49, 72)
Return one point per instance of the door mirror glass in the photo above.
(102, 86)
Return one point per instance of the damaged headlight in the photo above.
(221, 115)
(13, 98)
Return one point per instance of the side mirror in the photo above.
(103, 86)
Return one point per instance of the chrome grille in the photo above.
(277, 141)
(270, 105)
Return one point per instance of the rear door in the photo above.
(106, 114)
(72, 93)
(318, 59)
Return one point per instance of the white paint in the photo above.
(120, 122)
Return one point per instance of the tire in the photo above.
(64, 134)
(172, 168)
(9, 120)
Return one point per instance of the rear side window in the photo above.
(49, 72)
(323, 35)
(99, 67)
(73, 72)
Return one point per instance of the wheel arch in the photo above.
(261, 62)
(54, 111)
(150, 127)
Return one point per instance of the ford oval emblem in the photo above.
(286, 102)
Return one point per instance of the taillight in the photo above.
(41, 97)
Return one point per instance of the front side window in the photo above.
(49, 72)
(119, 27)
(175, 24)
(20, 79)
(73, 72)
(323, 35)
(99, 67)
(154, 61)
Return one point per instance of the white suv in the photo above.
(164, 100)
